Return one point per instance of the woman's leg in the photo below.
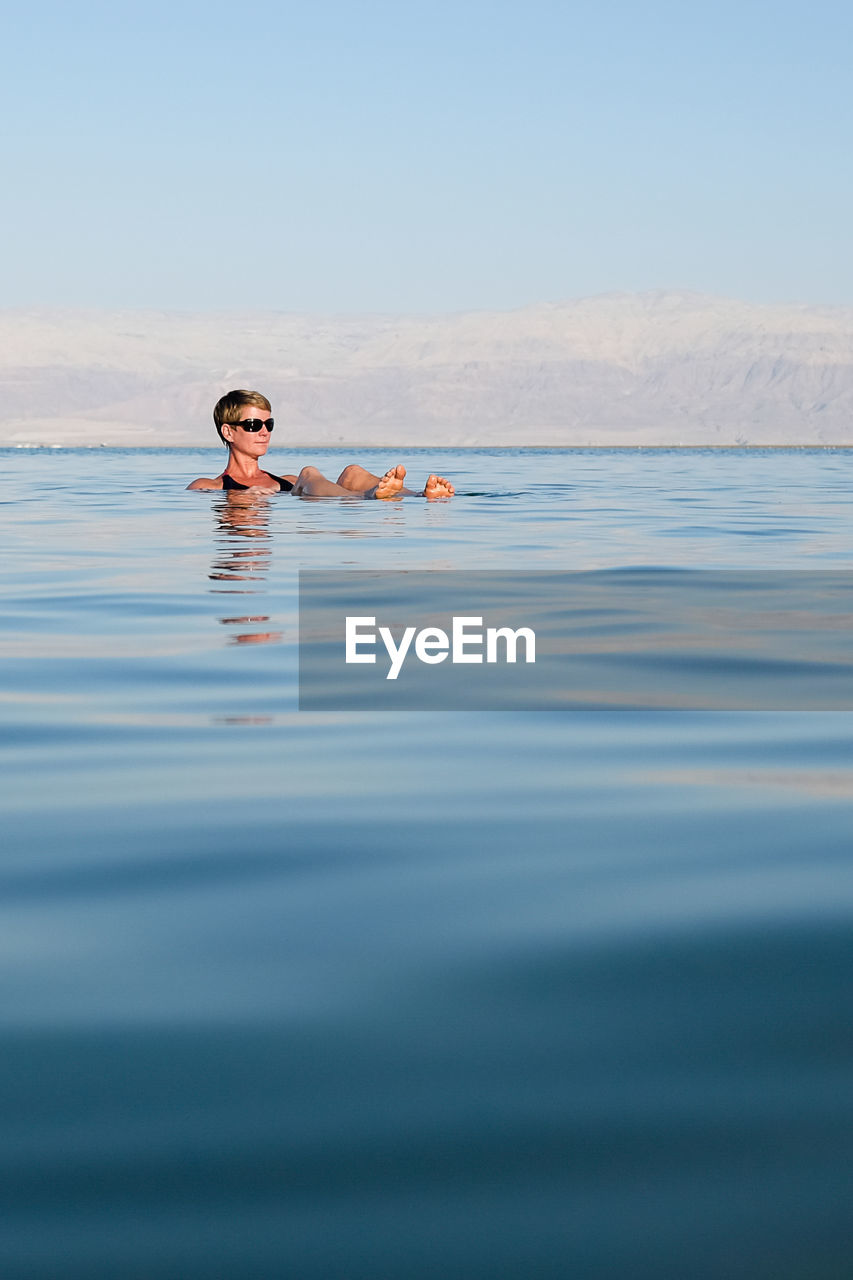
(311, 483)
(357, 478)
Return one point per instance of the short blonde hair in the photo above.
(227, 410)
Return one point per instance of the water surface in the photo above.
(422, 994)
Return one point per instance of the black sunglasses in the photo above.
(255, 424)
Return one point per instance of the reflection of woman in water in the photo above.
(244, 423)
(241, 566)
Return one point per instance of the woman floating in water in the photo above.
(243, 420)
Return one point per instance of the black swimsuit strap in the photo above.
(228, 482)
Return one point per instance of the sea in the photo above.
(380, 995)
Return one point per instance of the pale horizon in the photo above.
(660, 368)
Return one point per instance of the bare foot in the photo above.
(390, 485)
(438, 487)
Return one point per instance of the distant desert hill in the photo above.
(654, 368)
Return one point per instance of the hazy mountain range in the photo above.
(653, 368)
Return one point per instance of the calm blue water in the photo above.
(409, 995)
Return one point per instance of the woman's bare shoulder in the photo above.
(204, 483)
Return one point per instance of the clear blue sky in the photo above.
(424, 156)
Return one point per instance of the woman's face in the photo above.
(254, 444)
